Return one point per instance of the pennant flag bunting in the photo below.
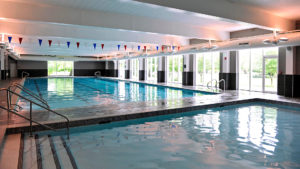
(9, 39)
(139, 47)
(20, 40)
(125, 47)
(77, 43)
(157, 48)
(40, 42)
(102, 46)
(68, 43)
(94, 45)
(119, 47)
(50, 42)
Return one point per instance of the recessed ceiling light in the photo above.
(175, 10)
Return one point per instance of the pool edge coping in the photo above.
(108, 119)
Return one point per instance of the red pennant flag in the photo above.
(145, 47)
(178, 48)
(102, 46)
(50, 42)
(20, 40)
(125, 47)
(77, 43)
(162, 48)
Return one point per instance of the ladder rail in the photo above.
(217, 83)
(26, 74)
(29, 92)
(97, 73)
(33, 102)
(11, 111)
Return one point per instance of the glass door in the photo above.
(270, 69)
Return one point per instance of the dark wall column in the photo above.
(111, 69)
(289, 73)
(162, 69)
(229, 70)
(127, 69)
(2, 65)
(142, 71)
(188, 70)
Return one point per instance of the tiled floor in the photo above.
(3, 114)
(85, 115)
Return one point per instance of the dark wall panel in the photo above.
(187, 78)
(231, 81)
(142, 75)
(33, 72)
(161, 76)
(127, 74)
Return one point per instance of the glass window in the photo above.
(60, 68)
(134, 69)
(207, 67)
(258, 69)
(175, 69)
(122, 69)
(152, 66)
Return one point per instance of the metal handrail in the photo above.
(223, 80)
(26, 74)
(11, 111)
(29, 92)
(211, 83)
(217, 83)
(33, 102)
(97, 73)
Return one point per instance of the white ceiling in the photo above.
(284, 8)
(135, 8)
(61, 32)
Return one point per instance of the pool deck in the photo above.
(124, 111)
(3, 114)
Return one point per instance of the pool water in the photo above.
(255, 135)
(80, 92)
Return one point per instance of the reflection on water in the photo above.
(251, 136)
(257, 125)
(78, 92)
(61, 86)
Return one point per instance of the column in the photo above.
(229, 70)
(288, 71)
(111, 68)
(4, 64)
(188, 69)
(142, 68)
(127, 69)
(162, 69)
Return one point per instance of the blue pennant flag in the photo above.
(119, 47)
(40, 41)
(157, 48)
(94, 46)
(9, 39)
(139, 47)
(173, 47)
(68, 43)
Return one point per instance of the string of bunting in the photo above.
(40, 41)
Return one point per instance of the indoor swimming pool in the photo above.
(84, 92)
(253, 135)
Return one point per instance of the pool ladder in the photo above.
(97, 73)
(25, 74)
(44, 105)
(217, 84)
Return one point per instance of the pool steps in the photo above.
(20, 151)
